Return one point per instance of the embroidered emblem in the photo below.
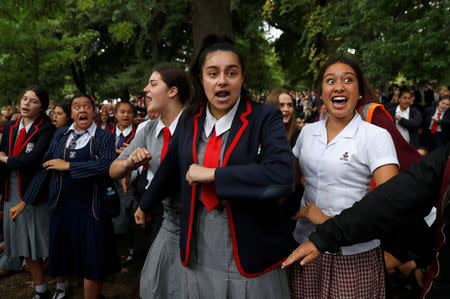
(29, 148)
(345, 156)
(72, 155)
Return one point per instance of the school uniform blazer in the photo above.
(411, 124)
(257, 168)
(104, 153)
(444, 122)
(129, 137)
(33, 149)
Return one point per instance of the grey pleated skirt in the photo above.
(28, 235)
(212, 271)
(161, 274)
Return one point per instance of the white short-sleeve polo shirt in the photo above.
(338, 174)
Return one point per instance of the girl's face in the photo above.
(82, 113)
(157, 94)
(124, 115)
(104, 116)
(59, 117)
(340, 90)
(30, 105)
(222, 80)
(443, 105)
(286, 107)
(405, 100)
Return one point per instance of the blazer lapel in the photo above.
(239, 125)
(199, 119)
(12, 136)
(33, 130)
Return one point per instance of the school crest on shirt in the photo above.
(29, 148)
(344, 157)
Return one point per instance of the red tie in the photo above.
(435, 124)
(211, 160)
(19, 141)
(166, 136)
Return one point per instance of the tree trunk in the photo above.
(124, 94)
(210, 16)
(78, 77)
(35, 63)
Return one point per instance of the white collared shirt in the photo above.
(404, 114)
(439, 128)
(21, 126)
(125, 132)
(223, 124)
(338, 174)
(84, 139)
(160, 125)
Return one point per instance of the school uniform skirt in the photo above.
(80, 244)
(28, 235)
(161, 274)
(339, 276)
(212, 271)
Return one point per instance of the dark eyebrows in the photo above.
(226, 67)
(345, 73)
(29, 98)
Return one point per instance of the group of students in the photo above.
(224, 169)
(424, 128)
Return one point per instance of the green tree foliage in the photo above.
(105, 48)
(30, 49)
(408, 37)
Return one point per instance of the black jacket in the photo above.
(394, 207)
(444, 122)
(411, 124)
(28, 162)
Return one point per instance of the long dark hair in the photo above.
(41, 93)
(174, 76)
(65, 106)
(364, 88)
(210, 44)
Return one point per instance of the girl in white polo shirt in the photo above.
(338, 157)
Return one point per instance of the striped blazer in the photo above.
(103, 150)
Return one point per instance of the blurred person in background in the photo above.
(407, 118)
(282, 99)
(61, 115)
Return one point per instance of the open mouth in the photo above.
(223, 95)
(82, 118)
(339, 102)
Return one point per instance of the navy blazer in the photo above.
(411, 124)
(28, 162)
(444, 122)
(103, 150)
(257, 167)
